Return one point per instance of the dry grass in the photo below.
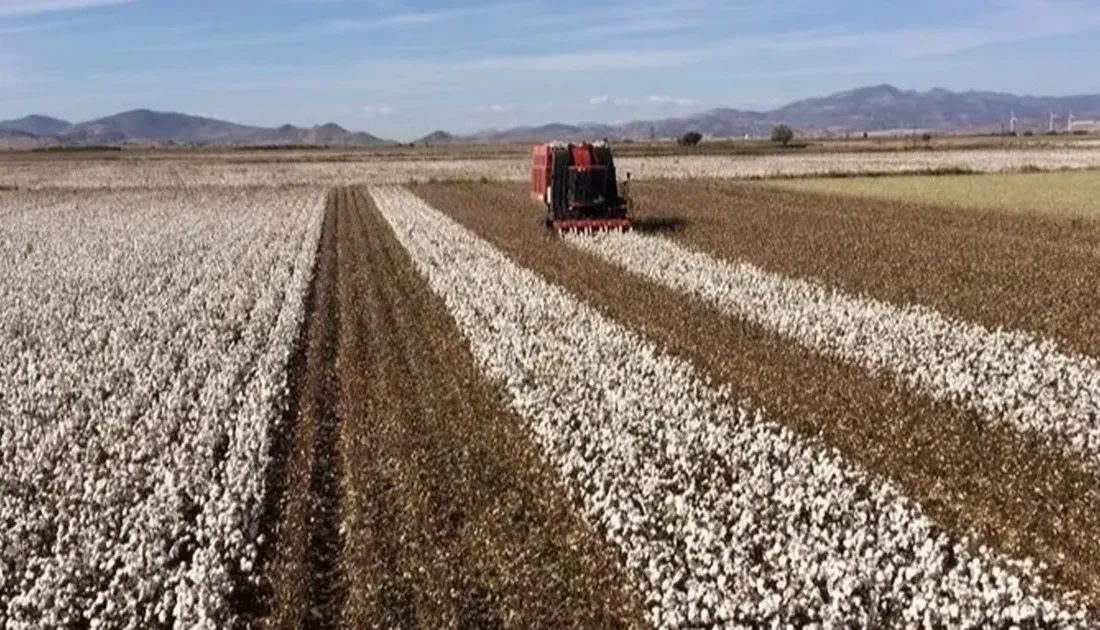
(1064, 193)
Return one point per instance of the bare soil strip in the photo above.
(306, 434)
(1023, 272)
(448, 516)
(1004, 490)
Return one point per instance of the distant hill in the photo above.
(874, 108)
(147, 127)
(871, 109)
(887, 107)
(21, 140)
(437, 137)
(37, 126)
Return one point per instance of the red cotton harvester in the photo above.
(577, 183)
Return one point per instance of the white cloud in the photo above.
(642, 26)
(382, 5)
(377, 111)
(32, 28)
(228, 119)
(412, 18)
(496, 115)
(662, 99)
(34, 7)
(609, 101)
(328, 28)
(630, 19)
(589, 61)
(496, 108)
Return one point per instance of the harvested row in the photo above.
(998, 269)
(721, 515)
(144, 341)
(420, 501)
(1005, 376)
(984, 482)
(291, 587)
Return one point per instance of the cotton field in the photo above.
(1006, 376)
(674, 478)
(375, 394)
(144, 340)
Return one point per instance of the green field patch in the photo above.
(1061, 193)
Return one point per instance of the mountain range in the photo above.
(873, 109)
(146, 127)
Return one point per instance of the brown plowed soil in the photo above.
(1019, 271)
(414, 498)
(1004, 490)
(292, 597)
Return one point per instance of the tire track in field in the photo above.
(994, 485)
(326, 583)
(300, 480)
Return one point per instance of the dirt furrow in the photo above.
(1015, 270)
(1003, 490)
(289, 586)
(450, 517)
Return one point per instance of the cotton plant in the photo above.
(144, 341)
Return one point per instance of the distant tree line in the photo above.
(281, 147)
(75, 149)
(781, 134)
(690, 139)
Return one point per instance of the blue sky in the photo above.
(401, 68)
